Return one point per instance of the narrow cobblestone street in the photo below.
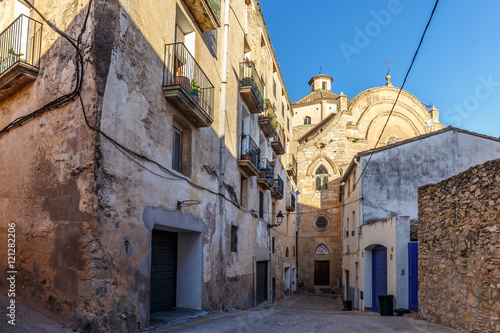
(303, 313)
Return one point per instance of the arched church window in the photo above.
(321, 178)
(322, 249)
(307, 120)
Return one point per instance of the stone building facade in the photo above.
(329, 129)
(159, 200)
(459, 250)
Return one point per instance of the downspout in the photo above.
(359, 199)
(223, 103)
(342, 238)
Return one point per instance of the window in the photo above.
(347, 228)
(288, 123)
(261, 205)
(177, 151)
(321, 223)
(283, 110)
(324, 85)
(274, 87)
(307, 121)
(354, 179)
(244, 192)
(234, 238)
(286, 254)
(273, 244)
(321, 178)
(353, 223)
(181, 147)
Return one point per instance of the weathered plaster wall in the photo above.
(391, 181)
(459, 247)
(48, 179)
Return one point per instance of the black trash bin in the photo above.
(386, 303)
(347, 305)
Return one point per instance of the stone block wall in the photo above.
(459, 250)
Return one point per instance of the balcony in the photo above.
(186, 86)
(277, 190)
(20, 46)
(277, 143)
(291, 165)
(291, 203)
(267, 120)
(206, 13)
(251, 88)
(266, 176)
(250, 156)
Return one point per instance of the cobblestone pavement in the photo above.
(303, 313)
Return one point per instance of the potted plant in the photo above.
(272, 164)
(194, 90)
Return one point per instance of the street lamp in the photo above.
(279, 219)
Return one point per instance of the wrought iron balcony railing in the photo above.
(268, 170)
(21, 42)
(250, 78)
(249, 150)
(291, 164)
(181, 69)
(278, 187)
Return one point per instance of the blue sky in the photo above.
(457, 68)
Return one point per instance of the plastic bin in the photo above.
(347, 305)
(386, 303)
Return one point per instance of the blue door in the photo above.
(379, 274)
(413, 275)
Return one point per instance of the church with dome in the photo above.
(329, 129)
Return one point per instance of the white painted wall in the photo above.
(394, 234)
(189, 270)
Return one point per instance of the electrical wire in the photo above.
(397, 97)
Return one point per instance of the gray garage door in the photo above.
(163, 270)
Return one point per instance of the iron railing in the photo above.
(292, 201)
(281, 135)
(215, 4)
(266, 167)
(181, 69)
(278, 185)
(21, 42)
(249, 150)
(250, 77)
(291, 162)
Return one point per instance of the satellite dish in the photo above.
(429, 122)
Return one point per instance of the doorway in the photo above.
(379, 274)
(321, 273)
(163, 270)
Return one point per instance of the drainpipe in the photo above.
(342, 238)
(223, 104)
(359, 205)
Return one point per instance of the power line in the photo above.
(397, 97)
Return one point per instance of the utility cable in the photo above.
(397, 97)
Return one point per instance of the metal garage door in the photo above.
(163, 270)
(261, 281)
(379, 274)
(321, 273)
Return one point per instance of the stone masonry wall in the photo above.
(459, 250)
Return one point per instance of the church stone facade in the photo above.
(329, 129)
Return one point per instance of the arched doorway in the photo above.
(379, 274)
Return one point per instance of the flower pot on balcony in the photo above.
(262, 175)
(182, 81)
(195, 96)
(245, 156)
(272, 164)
